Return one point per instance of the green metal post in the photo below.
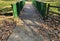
(15, 14)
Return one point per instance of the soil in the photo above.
(6, 28)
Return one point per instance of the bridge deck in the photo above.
(30, 26)
(26, 31)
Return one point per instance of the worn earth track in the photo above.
(31, 27)
(7, 25)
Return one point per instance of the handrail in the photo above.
(43, 7)
(53, 7)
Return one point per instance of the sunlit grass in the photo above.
(5, 6)
(6, 3)
(54, 4)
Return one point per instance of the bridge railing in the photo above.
(50, 6)
(53, 13)
(17, 7)
(43, 7)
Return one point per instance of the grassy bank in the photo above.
(54, 9)
(5, 5)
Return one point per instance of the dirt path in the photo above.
(30, 27)
(26, 31)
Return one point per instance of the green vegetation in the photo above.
(5, 5)
(8, 0)
(53, 3)
(54, 9)
(50, 0)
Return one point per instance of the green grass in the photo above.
(5, 6)
(6, 3)
(54, 4)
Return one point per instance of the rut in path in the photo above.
(30, 23)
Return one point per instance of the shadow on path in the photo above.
(29, 30)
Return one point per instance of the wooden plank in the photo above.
(54, 12)
(55, 6)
